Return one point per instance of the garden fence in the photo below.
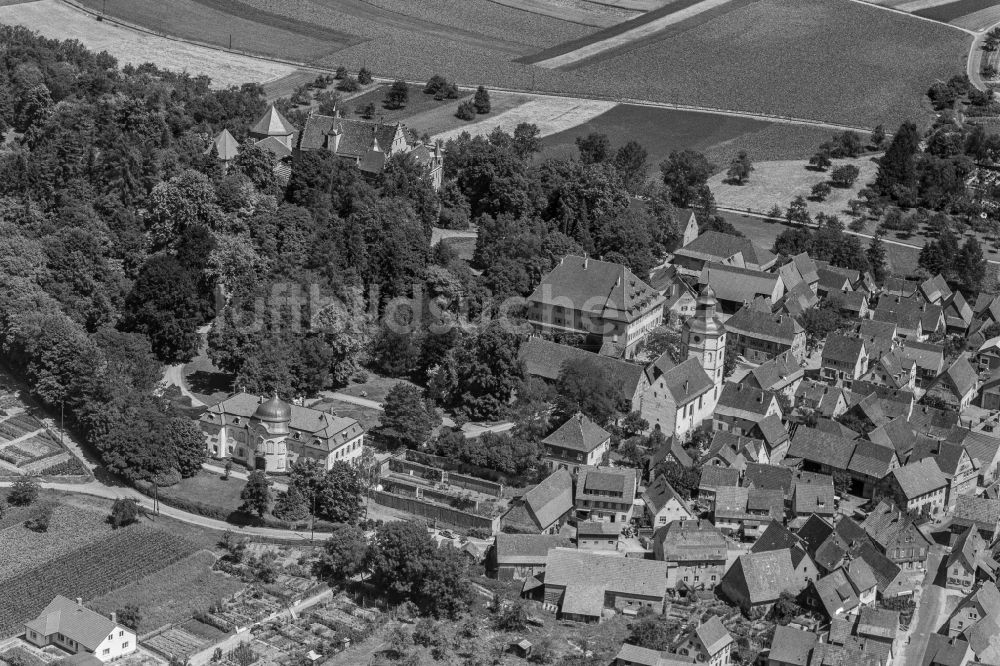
(442, 514)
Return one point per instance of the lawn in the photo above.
(443, 119)
(208, 490)
(375, 388)
(227, 22)
(418, 103)
(368, 418)
(777, 183)
(114, 560)
(661, 131)
(173, 594)
(834, 60)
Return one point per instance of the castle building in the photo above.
(271, 435)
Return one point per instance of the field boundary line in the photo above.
(919, 18)
(764, 216)
(766, 117)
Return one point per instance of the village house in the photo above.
(369, 144)
(957, 386)
(929, 358)
(717, 247)
(680, 299)
(543, 509)
(897, 536)
(970, 561)
(987, 355)
(983, 448)
(746, 512)
(715, 478)
(521, 556)
(839, 594)
(737, 287)
(870, 463)
(73, 627)
(730, 450)
(982, 603)
(760, 336)
(935, 290)
(919, 487)
(854, 305)
(603, 301)
(772, 431)
(892, 370)
(740, 408)
(821, 451)
(583, 584)
(982, 513)
(695, 552)
(708, 643)
(844, 359)
(756, 580)
(915, 319)
(829, 401)
(955, 464)
(271, 435)
(577, 443)
(834, 282)
(663, 504)
(816, 496)
(791, 646)
(797, 300)
(958, 315)
(597, 535)
(769, 477)
(781, 375)
(605, 494)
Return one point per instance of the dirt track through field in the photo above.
(635, 34)
(551, 114)
(57, 20)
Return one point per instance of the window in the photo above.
(125, 645)
(106, 651)
(121, 634)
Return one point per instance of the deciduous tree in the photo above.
(256, 494)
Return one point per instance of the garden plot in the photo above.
(175, 644)
(57, 20)
(550, 114)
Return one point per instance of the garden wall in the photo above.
(435, 511)
(430, 461)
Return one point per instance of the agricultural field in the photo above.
(225, 22)
(878, 72)
(550, 114)
(661, 131)
(976, 15)
(57, 20)
(173, 594)
(776, 183)
(97, 564)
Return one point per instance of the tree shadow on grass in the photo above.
(207, 383)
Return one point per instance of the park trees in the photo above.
(844, 175)
(344, 553)
(685, 173)
(481, 100)
(740, 168)
(584, 387)
(398, 95)
(407, 417)
(256, 494)
(594, 148)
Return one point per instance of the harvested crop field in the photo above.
(661, 131)
(551, 114)
(126, 555)
(875, 72)
(172, 594)
(216, 21)
(583, 12)
(981, 20)
(57, 20)
(954, 10)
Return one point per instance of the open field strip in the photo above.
(638, 5)
(635, 34)
(980, 21)
(917, 5)
(776, 183)
(550, 114)
(56, 20)
(574, 11)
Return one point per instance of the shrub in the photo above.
(466, 111)
(482, 100)
(368, 111)
(349, 84)
(124, 511)
(844, 175)
(341, 73)
(24, 491)
(40, 522)
(129, 616)
(434, 84)
(71, 467)
(398, 95)
(821, 191)
(364, 76)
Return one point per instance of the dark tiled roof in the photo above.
(659, 493)
(979, 511)
(820, 447)
(578, 434)
(739, 285)
(843, 349)
(775, 537)
(691, 540)
(887, 521)
(764, 326)
(546, 359)
(687, 381)
(778, 372)
(920, 478)
(836, 594)
(769, 477)
(713, 245)
(767, 574)
(771, 430)
(605, 479)
(745, 398)
(551, 498)
(947, 455)
(713, 635)
(927, 355)
(792, 646)
(960, 375)
(872, 459)
(873, 328)
(878, 622)
(713, 478)
(814, 498)
(897, 433)
(357, 138)
(609, 290)
(513, 549)
(935, 289)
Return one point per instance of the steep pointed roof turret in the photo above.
(272, 123)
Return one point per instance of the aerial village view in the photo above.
(499, 332)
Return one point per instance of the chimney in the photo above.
(114, 617)
(685, 386)
(79, 601)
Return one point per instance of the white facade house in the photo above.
(75, 628)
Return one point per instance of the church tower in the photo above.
(704, 337)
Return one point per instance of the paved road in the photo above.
(925, 619)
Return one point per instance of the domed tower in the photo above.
(704, 336)
(271, 426)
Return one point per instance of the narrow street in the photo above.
(930, 603)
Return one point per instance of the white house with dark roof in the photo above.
(663, 504)
(695, 552)
(710, 247)
(756, 580)
(741, 407)
(760, 336)
(781, 375)
(708, 643)
(598, 299)
(70, 625)
(844, 359)
(918, 487)
(578, 442)
(605, 493)
(271, 434)
(957, 385)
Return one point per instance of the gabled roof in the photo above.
(878, 622)
(798, 299)
(713, 635)
(767, 574)
(896, 286)
(768, 477)
(357, 137)
(981, 512)
(602, 288)
(919, 478)
(579, 433)
(969, 549)
(821, 447)
(811, 498)
(744, 400)
(587, 571)
(861, 575)
(873, 328)
(739, 285)
(982, 447)
(947, 455)
(74, 621)
(774, 537)
(671, 448)
(714, 246)
(520, 549)
(886, 522)
(958, 313)
(872, 459)
(836, 593)
(897, 433)
(935, 289)
(713, 478)
(687, 381)
(927, 355)
(659, 493)
(843, 349)
(272, 123)
(792, 646)
(806, 266)
(551, 498)
(546, 359)
(778, 372)
(594, 481)
(960, 377)
(771, 430)
(832, 280)
(760, 325)
(691, 541)
(731, 503)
